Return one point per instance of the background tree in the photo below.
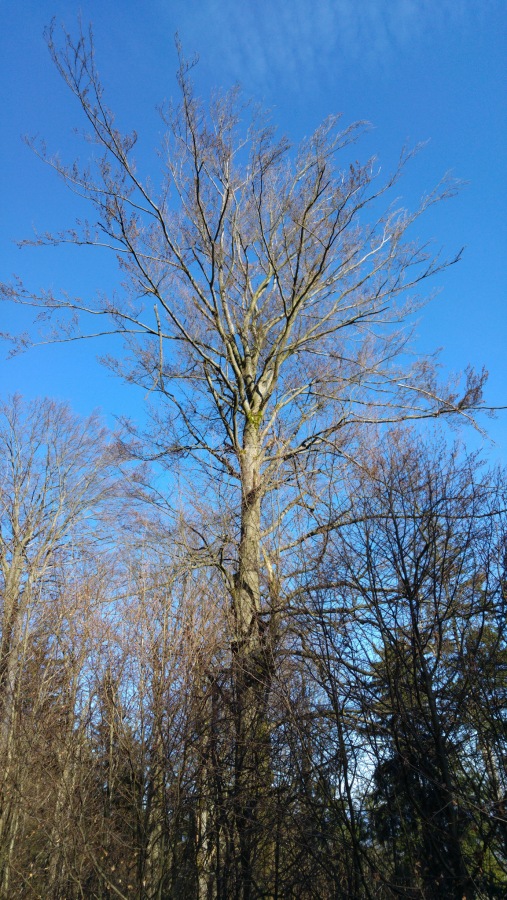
(55, 472)
(411, 581)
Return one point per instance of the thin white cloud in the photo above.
(296, 43)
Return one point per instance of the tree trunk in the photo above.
(9, 664)
(247, 600)
(251, 672)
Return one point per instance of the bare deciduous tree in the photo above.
(54, 472)
(264, 299)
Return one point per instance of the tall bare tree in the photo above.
(264, 295)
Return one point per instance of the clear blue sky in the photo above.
(418, 70)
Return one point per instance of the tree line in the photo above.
(380, 763)
(278, 669)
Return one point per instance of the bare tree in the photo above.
(264, 297)
(54, 472)
(409, 585)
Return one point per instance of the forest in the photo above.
(257, 647)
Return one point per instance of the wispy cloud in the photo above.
(294, 44)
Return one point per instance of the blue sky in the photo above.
(418, 70)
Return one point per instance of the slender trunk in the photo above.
(9, 672)
(462, 887)
(60, 831)
(8, 844)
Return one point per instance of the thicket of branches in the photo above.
(291, 681)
